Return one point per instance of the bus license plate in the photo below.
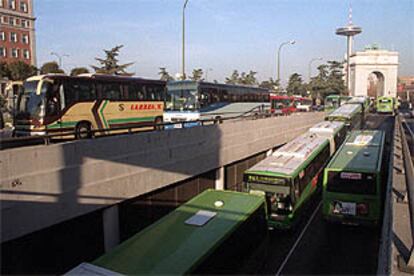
(348, 208)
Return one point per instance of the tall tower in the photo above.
(349, 31)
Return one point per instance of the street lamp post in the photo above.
(278, 57)
(183, 65)
(310, 68)
(60, 57)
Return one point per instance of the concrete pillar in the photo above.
(110, 218)
(220, 178)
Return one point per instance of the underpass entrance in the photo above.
(375, 85)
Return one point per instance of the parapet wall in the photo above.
(45, 185)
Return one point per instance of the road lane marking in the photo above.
(298, 240)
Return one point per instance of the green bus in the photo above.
(385, 104)
(332, 102)
(216, 232)
(288, 178)
(350, 114)
(334, 131)
(352, 180)
(364, 101)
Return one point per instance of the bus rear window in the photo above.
(351, 183)
(385, 101)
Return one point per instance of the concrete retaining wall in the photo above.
(45, 185)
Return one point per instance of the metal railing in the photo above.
(407, 265)
(385, 251)
(47, 139)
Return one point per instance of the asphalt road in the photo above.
(315, 247)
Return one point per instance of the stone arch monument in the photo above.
(374, 73)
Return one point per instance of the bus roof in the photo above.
(385, 97)
(327, 128)
(173, 245)
(189, 84)
(358, 99)
(362, 151)
(101, 77)
(289, 159)
(280, 97)
(336, 96)
(346, 110)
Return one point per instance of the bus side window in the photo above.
(296, 189)
(111, 91)
(154, 93)
(303, 179)
(136, 92)
(86, 91)
(125, 92)
(71, 94)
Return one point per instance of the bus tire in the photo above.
(157, 121)
(83, 130)
(217, 120)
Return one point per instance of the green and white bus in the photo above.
(334, 131)
(350, 114)
(385, 104)
(352, 180)
(216, 232)
(289, 177)
(332, 102)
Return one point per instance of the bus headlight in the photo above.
(336, 207)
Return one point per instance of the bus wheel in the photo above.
(217, 120)
(157, 121)
(83, 131)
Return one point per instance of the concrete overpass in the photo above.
(46, 185)
(73, 201)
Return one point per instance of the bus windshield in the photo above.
(385, 101)
(332, 102)
(351, 183)
(182, 100)
(30, 103)
(280, 103)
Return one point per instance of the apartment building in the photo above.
(17, 31)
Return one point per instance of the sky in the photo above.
(221, 35)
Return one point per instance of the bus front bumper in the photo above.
(350, 220)
(25, 133)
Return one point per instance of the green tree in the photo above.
(295, 85)
(248, 79)
(336, 78)
(197, 75)
(270, 84)
(109, 65)
(318, 85)
(20, 70)
(234, 78)
(78, 70)
(328, 81)
(50, 67)
(164, 75)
